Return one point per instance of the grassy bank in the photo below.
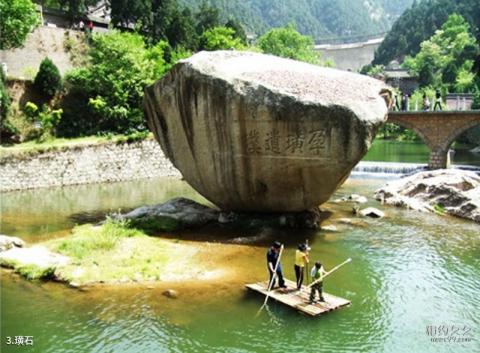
(112, 252)
(115, 253)
(57, 144)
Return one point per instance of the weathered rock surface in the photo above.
(7, 242)
(372, 212)
(38, 257)
(180, 213)
(170, 293)
(455, 191)
(172, 215)
(254, 132)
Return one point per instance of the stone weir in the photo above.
(254, 132)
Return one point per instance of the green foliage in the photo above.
(372, 70)
(207, 17)
(45, 121)
(439, 208)
(31, 111)
(32, 272)
(86, 239)
(18, 18)
(155, 225)
(123, 12)
(218, 38)
(238, 29)
(48, 79)
(133, 137)
(107, 95)
(420, 22)
(416, 100)
(287, 42)
(7, 129)
(76, 8)
(4, 99)
(447, 57)
(395, 132)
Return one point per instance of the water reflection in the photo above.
(409, 270)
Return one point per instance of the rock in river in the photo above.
(7, 242)
(254, 132)
(452, 191)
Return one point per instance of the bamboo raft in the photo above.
(299, 299)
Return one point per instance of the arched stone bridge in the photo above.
(438, 129)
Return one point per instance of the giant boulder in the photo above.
(254, 132)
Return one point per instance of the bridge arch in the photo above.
(423, 136)
(455, 134)
(438, 129)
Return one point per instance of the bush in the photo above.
(219, 38)
(4, 98)
(287, 42)
(48, 79)
(19, 17)
(45, 121)
(7, 130)
(107, 95)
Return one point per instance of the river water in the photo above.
(410, 272)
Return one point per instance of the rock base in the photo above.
(451, 191)
(181, 213)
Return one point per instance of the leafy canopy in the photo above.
(17, 19)
(111, 87)
(287, 42)
(48, 79)
(419, 22)
(218, 38)
(447, 58)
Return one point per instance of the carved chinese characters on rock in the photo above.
(272, 142)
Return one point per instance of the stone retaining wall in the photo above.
(99, 163)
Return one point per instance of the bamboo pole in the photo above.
(329, 272)
(270, 285)
(306, 263)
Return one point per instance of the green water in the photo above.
(409, 270)
(414, 152)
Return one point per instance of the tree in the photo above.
(18, 18)
(76, 8)
(181, 30)
(107, 95)
(218, 38)
(238, 29)
(419, 22)
(6, 129)
(447, 58)
(126, 12)
(48, 80)
(288, 43)
(207, 17)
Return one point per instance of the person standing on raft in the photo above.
(301, 259)
(317, 273)
(272, 259)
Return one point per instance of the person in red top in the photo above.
(90, 26)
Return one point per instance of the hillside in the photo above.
(420, 22)
(318, 18)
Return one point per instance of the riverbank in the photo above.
(84, 161)
(114, 253)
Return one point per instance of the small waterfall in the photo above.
(387, 169)
(372, 169)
